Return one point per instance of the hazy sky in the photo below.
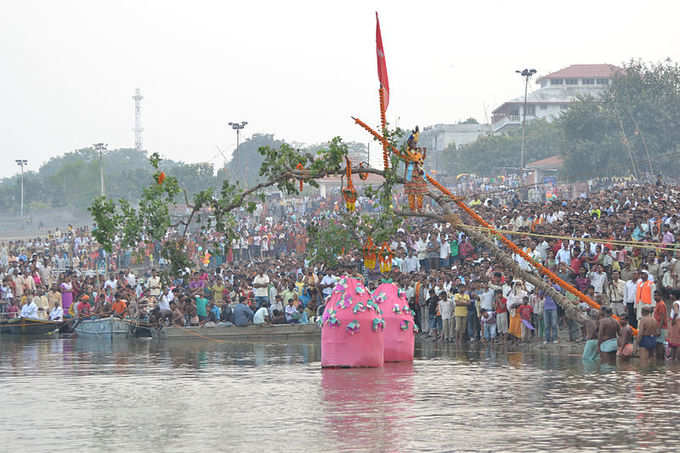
(296, 69)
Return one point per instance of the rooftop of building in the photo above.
(584, 71)
(552, 162)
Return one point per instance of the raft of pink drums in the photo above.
(360, 329)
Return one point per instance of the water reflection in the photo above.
(80, 394)
(368, 407)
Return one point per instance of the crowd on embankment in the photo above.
(617, 245)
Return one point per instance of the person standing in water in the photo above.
(647, 333)
(606, 336)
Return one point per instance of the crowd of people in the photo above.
(617, 245)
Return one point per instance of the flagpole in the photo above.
(383, 124)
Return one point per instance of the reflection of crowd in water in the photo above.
(617, 245)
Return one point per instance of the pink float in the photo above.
(399, 325)
(352, 328)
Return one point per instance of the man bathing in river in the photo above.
(625, 351)
(590, 350)
(607, 331)
(647, 333)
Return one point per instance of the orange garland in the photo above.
(544, 270)
(349, 193)
(369, 254)
(385, 258)
(383, 123)
(383, 140)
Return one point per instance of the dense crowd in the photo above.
(617, 245)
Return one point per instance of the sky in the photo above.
(295, 69)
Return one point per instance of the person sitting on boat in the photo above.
(177, 315)
(164, 305)
(12, 309)
(84, 307)
(119, 308)
(57, 313)
(29, 310)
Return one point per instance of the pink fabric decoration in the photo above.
(343, 345)
(399, 343)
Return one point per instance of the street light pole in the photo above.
(526, 73)
(100, 147)
(21, 163)
(237, 127)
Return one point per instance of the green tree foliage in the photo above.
(491, 152)
(633, 130)
(151, 219)
(592, 145)
(245, 162)
(71, 181)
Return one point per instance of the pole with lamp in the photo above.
(100, 148)
(22, 163)
(526, 73)
(237, 127)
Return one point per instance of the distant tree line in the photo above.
(71, 181)
(633, 129)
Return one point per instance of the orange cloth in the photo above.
(515, 328)
(119, 307)
(643, 292)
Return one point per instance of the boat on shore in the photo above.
(277, 332)
(28, 326)
(102, 327)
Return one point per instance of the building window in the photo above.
(531, 110)
(571, 81)
(588, 81)
(544, 83)
(542, 107)
(564, 106)
(556, 82)
(603, 81)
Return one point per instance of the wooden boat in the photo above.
(102, 327)
(275, 332)
(27, 326)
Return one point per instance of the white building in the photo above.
(439, 136)
(557, 90)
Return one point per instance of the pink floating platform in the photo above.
(352, 328)
(399, 325)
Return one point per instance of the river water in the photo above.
(70, 394)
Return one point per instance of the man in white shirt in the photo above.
(411, 263)
(598, 279)
(444, 252)
(29, 310)
(57, 313)
(111, 283)
(261, 316)
(563, 255)
(261, 285)
(486, 297)
(131, 279)
(629, 298)
(446, 311)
